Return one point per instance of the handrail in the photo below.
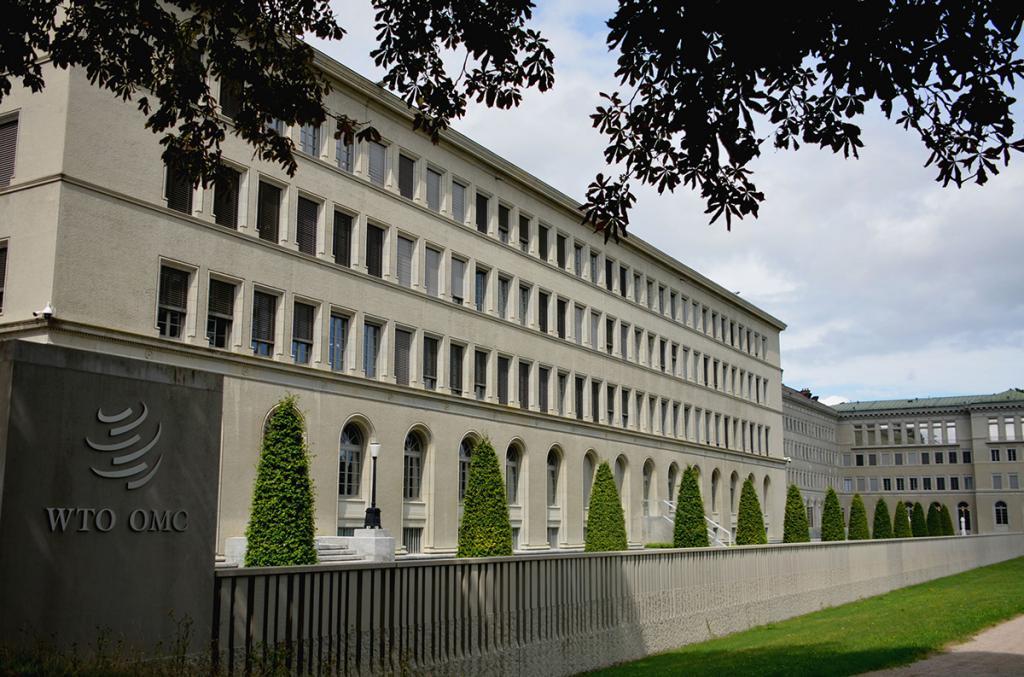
(714, 528)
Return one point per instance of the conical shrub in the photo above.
(690, 528)
(918, 523)
(947, 521)
(934, 520)
(795, 529)
(606, 523)
(858, 527)
(883, 525)
(750, 522)
(901, 522)
(485, 530)
(832, 528)
(281, 529)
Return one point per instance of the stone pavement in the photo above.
(997, 651)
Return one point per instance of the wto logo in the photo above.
(139, 472)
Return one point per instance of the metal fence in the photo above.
(552, 614)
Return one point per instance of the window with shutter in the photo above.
(503, 367)
(578, 324)
(230, 99)
(377, 163)
(503, 289)
(458, 280)
(371, 345)
(268, 211)
(338, 337)
(593, 267)
(342, 239)
(406, 176)
(503, 213)
(309, 140)
(480, 289)
(563, 384)
(455, 356)
(3, 272)
(305, 226)
(480, 374)
(405, 250)
(429, 362)
(524, 305)
(173, 298)
(345, 155)
(482, 203)
(595, 324)
(458, 202)
(177, 191)
(524, 384)
(302, 332)
(264, 312)
(433, 189)
(542, 312)
(431, 276)
(8, 150)
(577, 260)
(524, 233)
(624, 339)
(375, 251)
(403, 340)
(220, 313)
(225, 198)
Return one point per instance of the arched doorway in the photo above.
(963, 514)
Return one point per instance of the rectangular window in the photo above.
(309, 140)
(305, 226)
(595, 401)
(1013, 480)
(8, 150)
(913, 484)
(1009, 431)
(524, 233)
(225, 198)
(577, 260)
(968, 483)
(406, 247)
(458, 202)
(940, 483)
(954, 484)
(504, 287)
(342, 248)
(268, 212)
(580, 385)
(337, 337)
(994, 454)
(542, 311)
(560, 250)
(625, 408)
(623, 340)
(609, 274)
(578, 323)
(177, 190)
(966, 456)
(302, 332)
(997, 481)
(480, 374)
(345, 155)
(264, 320)
(402, 344)
(378, 153)
(524, 385)
(220, 313)
(503, 223)
(938, 457)
(609, 335)
(429, 363)
(950, 432)
(375, 251)
(503, 367)
(563, 384)
(593, 267)
(926, 483)
(458, 289)
(901, 484)
(433, 190)
(172, 303)
(455, 353)
(543, 383)
(847, 484)
(480, 288)
(524, 305)
(482, 204)
(925, 458)
(561, 308)
(542, 242)
(609, 401)
(623, 281)
(993, 429)
(952, 457)
(432, 272)
(371, 347)
(406, 176)
(595, 323)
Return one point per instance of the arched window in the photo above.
(963, 512)
(620, 474)
(733, 481)
(413, 477)
(554, 465)
(764, 495)
(715, 479)
(512, 474)
(1002, 516)
(350, 456)
(648, 476)
(588, 477)
(673, 475)
(465, 451)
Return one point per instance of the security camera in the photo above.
(46, 312)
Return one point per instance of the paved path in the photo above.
(997, 651)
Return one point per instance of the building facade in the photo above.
(811, 448)
(962, 452)
(417, 295)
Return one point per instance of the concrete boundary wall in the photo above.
(555, 614)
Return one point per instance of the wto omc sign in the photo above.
(126, 451)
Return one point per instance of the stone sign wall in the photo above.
(108, 492)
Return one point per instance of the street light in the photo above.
(372, 519)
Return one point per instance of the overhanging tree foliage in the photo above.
(485, 529)
(703, 86)
(934, 520)
(795, 529)
(750, 521)
(858, 527)
(946, 520)
(918, 523)
(901, 522)
(281, 530)
(882, 525)
(606, 523)
(690, 528)
(832, 527)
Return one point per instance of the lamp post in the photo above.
(372, 519)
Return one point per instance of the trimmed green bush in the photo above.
(832, 528)
(485, 530)
(659, 546)
(280, 530)
(690, 529)
(795, 529)
(901, 522)
(858, 527)
(606, 523)
(750, 522)
(947, 521)
(934, 520)
(883, 525)
(918, 524)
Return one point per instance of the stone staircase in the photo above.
(220, 562)
(333, 549)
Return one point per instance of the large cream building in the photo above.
(811, 448)
(416, 295)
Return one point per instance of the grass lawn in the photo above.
(892, 629)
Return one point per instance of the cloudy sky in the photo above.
(891, 285)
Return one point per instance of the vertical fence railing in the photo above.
(458, 616)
